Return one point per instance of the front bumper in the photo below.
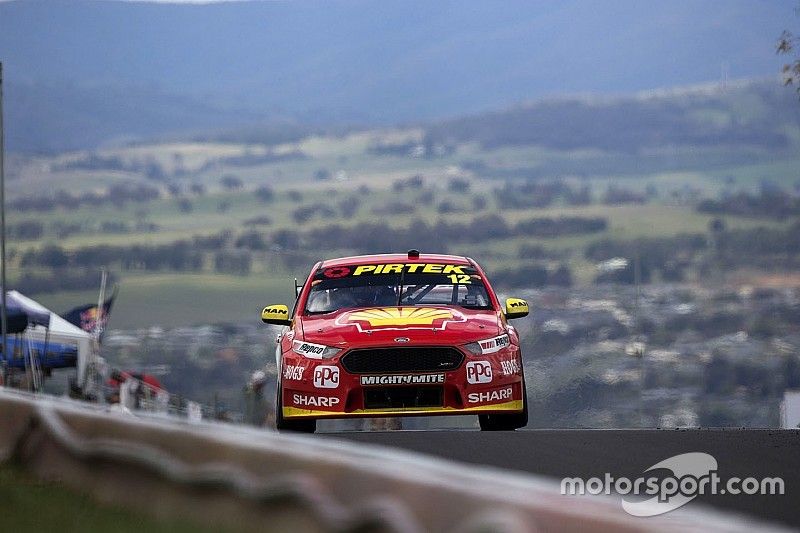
(514, 406)
(486, 384)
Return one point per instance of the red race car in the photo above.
(398, 335)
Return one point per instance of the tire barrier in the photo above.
(248, 479)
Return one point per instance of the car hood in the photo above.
(380, 326)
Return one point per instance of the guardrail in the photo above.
(244, 478)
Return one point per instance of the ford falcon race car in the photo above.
(398, 335)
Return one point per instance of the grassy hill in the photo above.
(209, 230)
(746, 115)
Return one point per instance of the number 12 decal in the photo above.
(460, 278)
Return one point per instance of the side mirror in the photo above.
(276, 314)
(516, 308)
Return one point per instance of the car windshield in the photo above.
(406, 284)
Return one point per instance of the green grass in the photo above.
(179, 299)
(172, 300)
(176, 299)
(29, 505)
(702, 169)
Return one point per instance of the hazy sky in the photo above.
(375, 61)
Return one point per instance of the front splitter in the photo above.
(514, 406)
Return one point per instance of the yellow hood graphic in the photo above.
(400, 316)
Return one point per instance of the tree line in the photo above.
(117, 195)
(771, 202)
(670, 258)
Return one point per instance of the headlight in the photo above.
(314, 351)
(486, 346)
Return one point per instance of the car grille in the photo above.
(403, 397)
(388, 360)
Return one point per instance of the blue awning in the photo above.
(20, 315)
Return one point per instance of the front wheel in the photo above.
(281, 424)
(507, 422)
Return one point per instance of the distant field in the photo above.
(660, 216)
(178, 299)
(359, 165)
(171, 300)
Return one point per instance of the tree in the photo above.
(265, 193)
(349, 206)
(787, 45)
(154, 171)
(717, 225)
(251, 240)
(561, 277)
(231, 182)
(185, 205)
(53, 256)
(458, 185)
(322, 174)
(446, 206)
(174, 189)
(302, 214)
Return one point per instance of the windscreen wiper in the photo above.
(411, 290)
(400, 288)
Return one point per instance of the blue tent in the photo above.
(50, 355)
(20, 314)
(30, 336)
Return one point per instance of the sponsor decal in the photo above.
(479, 372)
(336, 272)
(413, 268)
(326, 377)
(401, 339)
(403, 379)
(490, 396)
(400, 317)
(518, 303)
(309, 349)
(510, 367)
(293, 372)
(277, 311)
(494, 345)
(305, 400)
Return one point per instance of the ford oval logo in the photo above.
(401, 339)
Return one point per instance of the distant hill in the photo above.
(81, 72)
(49, 117)
(754, 115)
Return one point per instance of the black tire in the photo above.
(507, 422)
(306, 425)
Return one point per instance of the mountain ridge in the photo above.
(357, 62)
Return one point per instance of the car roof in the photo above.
(395, 258)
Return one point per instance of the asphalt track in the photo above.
(591, 453)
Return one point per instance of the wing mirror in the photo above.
(516, 308)
(276, 314)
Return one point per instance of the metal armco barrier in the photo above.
(255, 480)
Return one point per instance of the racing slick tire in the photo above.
(507, 422)
(281, 424)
